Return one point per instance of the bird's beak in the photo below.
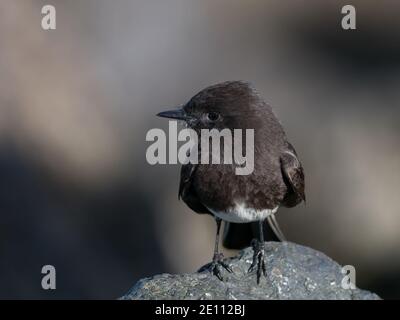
(178, 114)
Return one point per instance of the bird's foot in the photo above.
(258, 259)
(216, 266)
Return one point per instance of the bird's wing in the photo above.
(293, 175)
(186, 190)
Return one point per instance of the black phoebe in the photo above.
(215, 189)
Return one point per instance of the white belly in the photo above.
(240, 213)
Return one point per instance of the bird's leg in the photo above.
(218, 262)
(258, 255)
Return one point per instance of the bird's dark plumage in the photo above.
(278, 177)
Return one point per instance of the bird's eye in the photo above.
(212, 116)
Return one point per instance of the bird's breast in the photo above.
(241, 213)
(238, 198)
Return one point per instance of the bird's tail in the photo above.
(239, 235)
(275, 227)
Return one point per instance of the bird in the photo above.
(243, 202)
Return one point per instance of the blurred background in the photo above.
(76, 103)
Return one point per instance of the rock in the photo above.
(293, 272)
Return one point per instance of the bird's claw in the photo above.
(215, 267)
(258, 259)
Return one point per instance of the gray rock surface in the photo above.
(293, 272)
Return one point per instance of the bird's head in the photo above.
(225, 105)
